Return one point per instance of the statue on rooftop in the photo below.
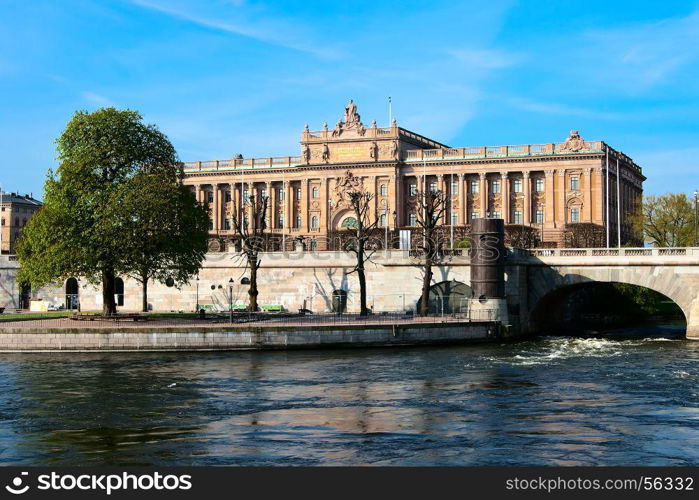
(573, 143)
(352, 118)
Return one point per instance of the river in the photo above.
(627, 399)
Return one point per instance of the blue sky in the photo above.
(226, 77)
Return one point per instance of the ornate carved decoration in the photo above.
(374, 151)
(345, 185)
(574, 142)
(306, 154)
(326, 153)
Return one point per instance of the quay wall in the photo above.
(253, 338)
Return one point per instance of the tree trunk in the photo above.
(252, 291)
(363, 311)
(144, 307)
(426, 282)
(108, 286)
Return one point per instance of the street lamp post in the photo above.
(696, 214)
(541, 223)
(197, 306)
(385, 223)
(230, 299)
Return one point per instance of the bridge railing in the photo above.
(611, 252)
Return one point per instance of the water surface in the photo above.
(551, 401)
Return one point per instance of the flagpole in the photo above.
(618, 205)
(390, 112)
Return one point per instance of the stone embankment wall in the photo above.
(260, 338)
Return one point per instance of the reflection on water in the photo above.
(556, 401)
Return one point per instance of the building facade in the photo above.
(545, 186)
(15, 212)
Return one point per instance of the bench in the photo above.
(272, 308)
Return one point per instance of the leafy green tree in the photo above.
(667, 220)
(167, 231)
(81, 230)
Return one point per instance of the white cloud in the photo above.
(96, 100)
(275, 32)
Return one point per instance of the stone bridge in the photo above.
(674, 272)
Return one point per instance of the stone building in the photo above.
(542, 185)
(16, 210)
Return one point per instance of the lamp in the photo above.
(230, 299)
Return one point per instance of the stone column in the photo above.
(216, 208)
(505, 196)
(393, 199)
(549, 212)
(483, 187)
(587, 195)
(324, 197)
(270, 206)
(305, 219)
(560, 215)
(288, 200)
(527, 198)
(462, 199)
(197, 192)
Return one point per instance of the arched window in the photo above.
(349, 222)
(383, 190)
(72, 291)
(119, 291)
(383, 220)
(315, 192)
(314, 222)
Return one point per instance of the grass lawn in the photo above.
(35, 315)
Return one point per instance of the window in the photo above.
(540, 216)
(314, 222)
(433, 187)
(298, 221)
(384, 190)
(517, 186)
(281, 222)
(2, 222)
(454, 218)
(454, 187)
(539, 185)
(412, 218)
(211, 225)
(227, 225)
(245, 193)
(413, 190)
(263, 193)
(574, 183)
(281, 194)
(474, 187)
(474, 215)
(298, 193)
(575, 214)
(210, 196)
(382, 220)
(518, 216)
(315, 192)
(227, 196)
(495, 186)
(496, 215)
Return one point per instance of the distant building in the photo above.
(16, 211)
(545, 186)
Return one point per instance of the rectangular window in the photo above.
(539, 216)
(518, 216)
(298, 221)
(413, 190)
(475, 187)
(495, 186)
(281, 194)
(454, 218)
(298, 193)
(263, 193)
(474, 215)
(412, 220)
(574, 183)
(496, 215)
(517, 186)
(211, 225)
(539, 185)
(210, 196)
(454, 187)
(245, 194)
(575, 214)
(281, 222)
(382, 220)
(228, 196)
(227, 224)
(433, 187)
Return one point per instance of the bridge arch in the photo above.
(547, 283)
